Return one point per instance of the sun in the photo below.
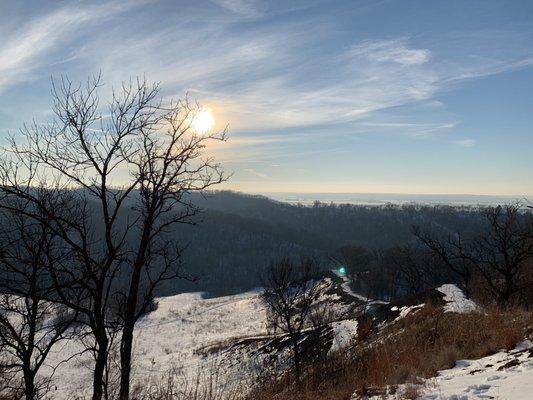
(203, 121)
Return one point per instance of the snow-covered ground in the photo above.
(346, 287)
(455, 299)
(506, 375)
(193, 336)
(227, 336)
(343, 333)
(174, 337)
(406, 310)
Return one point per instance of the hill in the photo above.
(222, 345)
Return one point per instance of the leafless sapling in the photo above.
(30, 325)
(290, 291)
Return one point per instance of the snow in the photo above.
(506, 375)
(405, 310)
(193, 335)
(190, 333)
(487, 378)
(347, 289)
(343, 333)
(175, 336)
(456, 300)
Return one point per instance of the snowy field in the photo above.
(172, 338)
(194, 337)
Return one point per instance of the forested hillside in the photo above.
(240, 234)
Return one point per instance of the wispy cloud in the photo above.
(396, 51)
(27, 48)
(257, 173)
(466, 142)
(344, 88)
(258, 79)
(247, 8)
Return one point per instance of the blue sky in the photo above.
(320, 96)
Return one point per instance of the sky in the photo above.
(320, 96)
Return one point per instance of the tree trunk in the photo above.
(466, 278)
(297, 361)
(506, 293)
(29, 384)
(125, 361)
(99, 367)
(126, 343)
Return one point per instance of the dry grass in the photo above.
(175, 386)
(411, 392)
(417, 346)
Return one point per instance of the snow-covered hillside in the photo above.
(225, 340)
(506, 375)
(174, 337)
(194, 336)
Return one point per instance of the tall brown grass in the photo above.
(417, 346)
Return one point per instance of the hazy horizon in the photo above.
(398, 198)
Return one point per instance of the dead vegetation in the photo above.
(415, 347)
(207, 385)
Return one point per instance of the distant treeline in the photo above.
(239, 234)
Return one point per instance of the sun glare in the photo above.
(203, 121)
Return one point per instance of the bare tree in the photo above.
(357, 260)
(322, 314)
(417, 268)
(118, 179)
(290, 291)
(449, 250)
(502, 254)
(29, 325)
